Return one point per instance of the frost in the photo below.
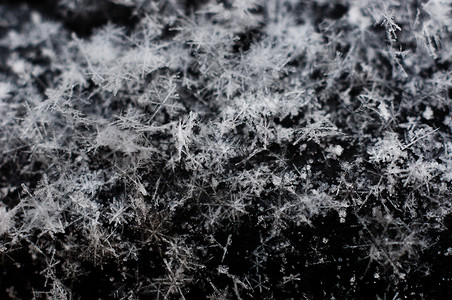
(335, 151)
(5, 90)
(428, 113)
(389, 149)
(6, 220)
(384, 111)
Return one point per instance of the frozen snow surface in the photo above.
(225, 149)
